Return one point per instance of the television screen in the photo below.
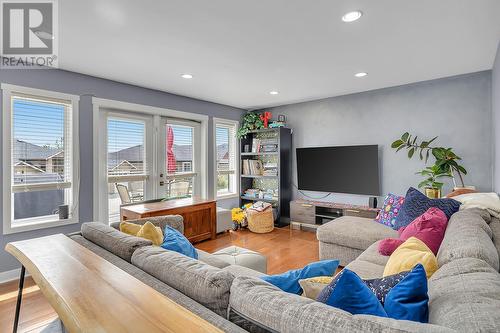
(345, 169)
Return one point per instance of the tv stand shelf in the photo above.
(312, 214)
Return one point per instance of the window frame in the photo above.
(233, 142)
(48, 221)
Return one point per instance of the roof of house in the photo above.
(28, 151)
(222, 152)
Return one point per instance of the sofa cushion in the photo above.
(372, 255)
(114, 241)
(366, 270)
(390, 209)
(465, 295)
(267, 305)
(495, 232)
(416, 203)
(205, 284)
(468, 236)
(354, 232)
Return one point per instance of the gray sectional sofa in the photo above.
(464, 293)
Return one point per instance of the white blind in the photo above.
(180, 150)
(225, 148)
(41, 143)
(126, 150)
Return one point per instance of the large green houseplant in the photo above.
(430, 183)
(447, 162)
(251, 121)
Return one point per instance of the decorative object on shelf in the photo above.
(265, 117)
(430, 184)
(246, 149)
(251, 122)
(281, 122)
(446, 159)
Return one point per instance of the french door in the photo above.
(148, 157)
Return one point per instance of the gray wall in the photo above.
(457, 109)
(496, 120)
(86, 87)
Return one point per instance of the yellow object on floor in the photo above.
(409, 254)
(148, 231)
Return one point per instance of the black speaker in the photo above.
(372, 202)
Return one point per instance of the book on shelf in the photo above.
(255, 145)
(252, 167)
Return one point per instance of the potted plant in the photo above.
(446, 160)
(430, 184)
(251, 121)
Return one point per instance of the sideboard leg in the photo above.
(19, 298)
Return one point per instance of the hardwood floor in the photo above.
(285, 249)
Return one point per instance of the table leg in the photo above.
(19, 298)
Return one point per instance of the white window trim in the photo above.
(99, 145)
(228, 122)
(45, 221)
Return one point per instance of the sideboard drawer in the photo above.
(302, 212)
(360, 213)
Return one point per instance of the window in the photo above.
(40, 149)
(225, 151)
(127, 168)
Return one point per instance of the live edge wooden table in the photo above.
(200, 215)
(92, 295)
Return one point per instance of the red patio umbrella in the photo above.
(171, 163)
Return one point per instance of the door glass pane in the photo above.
(127, 168)
(180, 161)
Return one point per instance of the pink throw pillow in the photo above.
(428, 227)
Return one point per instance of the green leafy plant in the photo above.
(251, 121)
(431, 175)
(446, 159)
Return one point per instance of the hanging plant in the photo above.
(251, 121)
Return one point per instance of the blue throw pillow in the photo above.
(352, 295)
(408, 300)
(416, 203)
(175, 241)
(289, 281)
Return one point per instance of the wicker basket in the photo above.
(260, 222)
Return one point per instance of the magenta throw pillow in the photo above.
(387, 246)
(388, 213)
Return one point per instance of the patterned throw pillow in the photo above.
(416, 203)
(392, 205)
(380, 287)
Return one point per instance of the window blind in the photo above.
(225, 148)
(41, 143)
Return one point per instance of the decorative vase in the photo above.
(433, 193)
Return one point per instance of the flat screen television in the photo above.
(343, 169)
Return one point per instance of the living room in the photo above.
(250, 167)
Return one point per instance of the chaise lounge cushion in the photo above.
(354, 232)
(114, 241)
(205, 284)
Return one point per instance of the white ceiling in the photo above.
(238, 51)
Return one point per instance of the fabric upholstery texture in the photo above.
(114, 241)
(468, 236)
(175, 221)
(366, 269)
(149, 231)
(208, 258)
(284, 312)
(495, 231)
(203, 283)
(390, 209)
(416, 203)
(344, 254)
(408, 255)
(159, 286)
(354, 232)
(235, 255)
(238, 270)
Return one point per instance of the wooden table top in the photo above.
(142, 208)
(92, 295)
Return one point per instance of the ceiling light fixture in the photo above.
(273, 92)
(352, 16)
(361, 74)
(186, 76)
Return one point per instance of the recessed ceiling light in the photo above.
(274, 92)
(360, 74)
(352, 16)
(186, 76)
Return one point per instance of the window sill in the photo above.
(227, 196)
(36, 224)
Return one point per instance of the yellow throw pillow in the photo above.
(409, 254)
(148, 231)
(311, 287)
(130, 228)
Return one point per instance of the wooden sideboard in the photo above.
(315, 213)
(200, 215)
(90, 294)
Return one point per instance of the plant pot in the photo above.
(433, 193)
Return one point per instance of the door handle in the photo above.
(162, 183)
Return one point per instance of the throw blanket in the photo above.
(488, 201)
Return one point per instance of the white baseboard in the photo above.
(11, 275)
